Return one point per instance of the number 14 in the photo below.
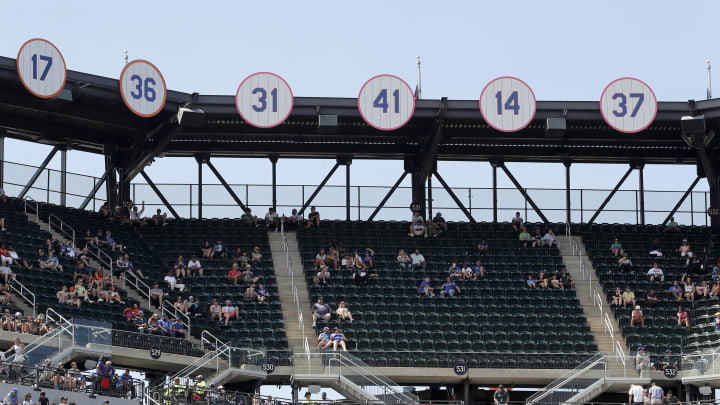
(510, 104)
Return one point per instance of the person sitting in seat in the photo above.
(566, 279)
(624, 264)
(672, 226)
(694, 264)
(478, 270)
(323, 275)
(454, 271)
(67, 297)
(684, 248)
(234, 274)
(324, 339)
(437, 225)
(517, 221)
(715, 291)
(637, 316)
(555, 282)
(651, 300)
(717, 321)
(682, 317)
(530, 282)
(628, 297)
(180, 267)
(194, 266)
(320, 310)
(616, 248)
(483, 246)
(215, 310)
(549, 238)
(338, 339)
(524, 237)
(294, 220)
(418, 260)
(449, 288)
(537, 237)
(160, 218)
(655, 273)
(417, 227)
(207, 250)
(313, 218)
(272, 220)
(404, 260)
(262, 293)
(654, 249)
(250, 294)
(256, 258)
(343, 312)
(229, 312)
(702, 290)
(219, 250)
(425, 288)
(689, 288)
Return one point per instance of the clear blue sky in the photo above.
(565, 50)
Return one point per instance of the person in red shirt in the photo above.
(234, 274)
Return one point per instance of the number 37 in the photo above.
(622, 104)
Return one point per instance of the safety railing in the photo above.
(102, 257)
(131, 279)
(65, 230)
(296, 295)
(572, 383)
(24, 293)
(57, 339)
(620, 355)
(31, 206)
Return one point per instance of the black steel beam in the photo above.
(159, 194)
(568, 210)
(494, 166)
(200, 188)
(429, 196)
(454, 197)
(273, 161)
(97, 186)
(2, 159)
(523, 192)
(682, 199)
(388, 195)
(319, 187)
(227, 186)
(610, 196)
(641, 185)
(38, 172)
(347, 191)
(157, 141)
(63, 177)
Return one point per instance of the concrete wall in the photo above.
(55, 395)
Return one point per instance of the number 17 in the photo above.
(47, 59)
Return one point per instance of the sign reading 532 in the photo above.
(628, 105)
(264, 100)
(143, 88)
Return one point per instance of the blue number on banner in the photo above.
(138, 87)
(273, 93)
(641, 98)
(381, 100)
(45, 72)
(396, 95)
(622, 105)
(149, 91)
(262, 99)
(510, 104)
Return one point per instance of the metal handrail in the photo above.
(296, 295)
(63, 326)
(144, 290)
(555, 385)
(21, 290)
(212, 340)
(621, 355)
(27, 203)
(102, 257)
(65, 230)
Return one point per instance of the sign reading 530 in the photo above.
(628, 105)
(386, 102)
(264, 100)
(143, 88)
(41, 68)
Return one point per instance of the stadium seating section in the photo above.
(661, 331)
(493, 322)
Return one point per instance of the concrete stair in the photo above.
(595, 318)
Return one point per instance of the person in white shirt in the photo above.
(294, 220)
(194, 266)
(517, 221)
(136, 216)
(549, 238)
(173, 283)
(418, 260)
(656, 273)
(656, 395)
(636, 395)
(272, 220)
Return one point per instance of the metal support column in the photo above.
(641, 184)
(429, 196)
(319, 187)
(347, 191)
(38, 172)
(200, 190)
(2, 161)
(524, 193)
(610, 196)
(274, 160)
(682, 200)
(63, 177)
(159, 194)
(387, 196)
(494, 192)
(455, 198)
(97, 186)
(227, 186)
(567, 192)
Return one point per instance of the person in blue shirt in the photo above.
(12, 397)
(110, 241)
(454, 271)
(180, 267)
(717, 321)
(324, 339)
(449, 288)
(425, 288)
(165, 325)
(262, 293)
(66, 249)
(52, 262)
(478, 270)
(125, 383)
(483, 246)
(338, 339)
(80, 272)
(367, 259)
(177, 329)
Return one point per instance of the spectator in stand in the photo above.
(89, 238)
(715, 274)
(17, 259)
(677, 291)
(244, 260)
(418, 260)
(313, 218)
(483, 246)
(717, 321)
(478, 270)
(655, 394)
(173, 283)
(294, 220)
(343, 312)
(215, 310)
(437, 225)
(229, 312)
(347, 261)
(8, 321)
(338, 339)
(449, 288)
(467, 271)
(256, 258)
(654, 249)
(234, 274)
(624, 264)
(715, 291)
(249, 277)
(651, 300)
(111, 243)
(655, 273)
(324, 339)
(367, 259)
(320, 310)
(125, 385)
(689, 288)
(566, 279)
(3, 196)
(628, 297)
(684, 248)
(682, 317)
(669, 359)
(323, 275)
(6, 296)
(12, 397)
(66, 249)
(58, 377)
(131, 313)
(637, 316)
(694, 264)
(7, 273)
(248, 218)
(616, 248)
(128, 266)
(703, 291)
(530, 282)
(177, 329)
(537, 237)
(425, 288)
(250, 294)
(417, 227)
(207, 250)
(81, 291)
(524, 237)
(159, 219)
(333, 258)
(670, 399)
(67, 297)
(194, 266)
(165, 325)
(112, 295)
(517, 222)
(542, 281)
(454, 270)
(136, 216)
(49, 262)
(272, 220)
(672, 226)
(549, 238)
(80, 272)
(180, 267)
(219, 250)
(153, 326)
(120, 215)
(555, 282)
(262, 293)
(404, 260)
(362, 275)
(192, 306)
(157, 294)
